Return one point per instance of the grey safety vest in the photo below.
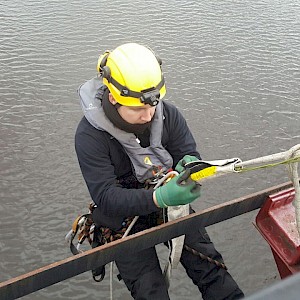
(142, 159)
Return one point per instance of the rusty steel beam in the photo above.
(72, 266)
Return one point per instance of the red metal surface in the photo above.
(285, 269)
(276, 221)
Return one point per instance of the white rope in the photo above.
(111, 274)
(281, 156)
(290, 157)
(290, 154)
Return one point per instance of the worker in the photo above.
(127, 138)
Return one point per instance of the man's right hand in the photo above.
(179, 190)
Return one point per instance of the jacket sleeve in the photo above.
(180, 141)
(92, 149)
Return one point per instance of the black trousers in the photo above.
(143, 277)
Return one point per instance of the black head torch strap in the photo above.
(149, 96)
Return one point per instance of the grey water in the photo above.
(231, 67)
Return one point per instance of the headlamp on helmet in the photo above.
(150, 97)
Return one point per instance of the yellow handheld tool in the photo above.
(202, 169)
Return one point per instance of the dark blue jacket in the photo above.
(105, 165)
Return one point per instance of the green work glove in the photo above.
(186, 159)
(179, 190)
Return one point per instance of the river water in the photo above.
(231, 67)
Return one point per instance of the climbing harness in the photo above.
(85, 229)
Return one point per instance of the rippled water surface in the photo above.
(231, 67)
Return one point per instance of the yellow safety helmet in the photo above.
(133, 75)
